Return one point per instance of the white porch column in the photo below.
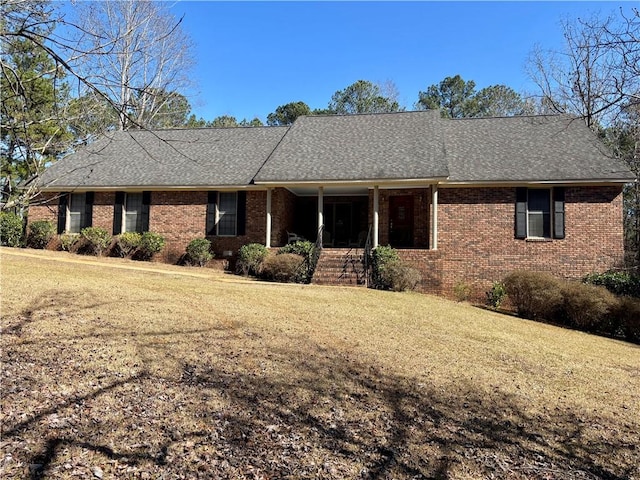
(320, 207)
(267, 241)
(376, 211)
(434, 216)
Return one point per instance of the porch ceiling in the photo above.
(342, 190)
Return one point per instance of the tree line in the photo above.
(126, 65)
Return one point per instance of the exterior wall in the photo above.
(421, 206)
(283, 208)
(476, 242)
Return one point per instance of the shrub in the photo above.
(627, 318)
(199, 252)
(305, 249)
(11, 228)
(68, 240)
(534, 294)
(40, 233)
(127, 243)
(284, 267)
(461, 291)
(380, 258)
(400, 276)
(619, 283)
(250, 257)
(150, 244)
(496, 295)
(588, 307)
(97, 239)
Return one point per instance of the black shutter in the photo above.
(62, 212)
(117, 213)
(242, 213)
(521, 212)
(212, 201)
(88, 209)
(146, 201)
(558, 212)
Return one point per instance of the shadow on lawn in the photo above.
(305, 411)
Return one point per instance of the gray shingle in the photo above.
(359, 147)
(535, 148)
(189, 157)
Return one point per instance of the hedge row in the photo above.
(591, 308)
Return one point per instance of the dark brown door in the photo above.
(401, 221)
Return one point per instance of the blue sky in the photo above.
(252, 57)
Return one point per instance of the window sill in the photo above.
(538, 239)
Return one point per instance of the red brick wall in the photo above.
(421, 205)
(477, 243)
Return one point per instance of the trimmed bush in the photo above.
(619, 283)
(199, 252)
(496, 295)
(535, 295)
(627, 318)
(127, 243)
(11, 228)
(68, 240)
(400, 276)
(250, 258)
(285, 267)
(97, 239)
(305, 249)
(40, 233)
(150, 244)
(588, 307)
(461, 291)
(381, 257)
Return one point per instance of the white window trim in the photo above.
(551, 216)
(67, 221)
(217, 219)
(123, 226)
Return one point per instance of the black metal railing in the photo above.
(366, 258)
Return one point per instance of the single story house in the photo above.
(464, 200)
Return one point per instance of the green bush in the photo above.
(68, 240)
(11, 228)
(127, 243)
(199, 252)
(619, 283)
(97, 239)
(401, 277)
(496, 295)
(535, 295)
(250, 258)
(381, 257)
(40, 233)
(284, 267)
(305, 249)
(587, 307)
(150, 244)
(627, 318)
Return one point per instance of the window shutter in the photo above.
(117, 213)
(88, 209)
(242, 213)
(62, 212)
(146, 201)
(558, 212)
(212, 201)
(521, 212)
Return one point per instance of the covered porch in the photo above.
(404, 216)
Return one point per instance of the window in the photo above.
(535, 217)
(74, 212)
(131, 212)
(226, 212)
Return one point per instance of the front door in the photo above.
(401, 221)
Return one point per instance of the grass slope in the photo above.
(114, 372)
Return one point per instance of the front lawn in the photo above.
(112, 372)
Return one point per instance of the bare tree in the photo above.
(140, 57)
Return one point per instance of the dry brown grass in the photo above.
(190, 373)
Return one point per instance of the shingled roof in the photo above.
(345, 148)
(389, 146)
(206, 157)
